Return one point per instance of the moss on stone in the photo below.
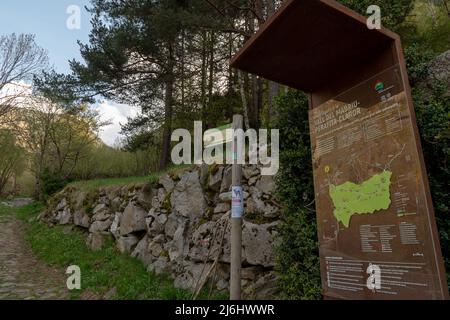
(257, 218)
(89, 201)
(166, 203)
(164, 253)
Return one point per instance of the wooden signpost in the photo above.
(376, 225)
(236, 217)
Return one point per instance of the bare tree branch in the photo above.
(20, 59)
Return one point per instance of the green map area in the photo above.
(365, 198)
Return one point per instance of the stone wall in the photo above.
(181, 226)
(438, 70)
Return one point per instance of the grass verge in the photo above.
(89, 185)
(5, 210)
(101, 270)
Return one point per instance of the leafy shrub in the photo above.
(52, 182)
(432, 107)
(433, 118)
(298, 258)
(393, 12)
(11, 158)
(417, 60)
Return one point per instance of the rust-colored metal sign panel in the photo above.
(377, 234)
(375, 226)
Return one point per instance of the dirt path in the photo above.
(22, 275)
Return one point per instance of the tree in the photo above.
(20, 59)
(393, 12)
(11, 157)
(273, 87)
(71, 137)
(446, 5)
(168, 57)
(134, 59)
(56, 139)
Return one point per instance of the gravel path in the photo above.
(22, 275)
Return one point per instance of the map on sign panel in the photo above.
(365, 198)
(370, 196)
(360, 149)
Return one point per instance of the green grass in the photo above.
(100, 270)
(4, 210)
(89, 185)
(225, 126)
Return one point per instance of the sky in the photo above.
(49, 20)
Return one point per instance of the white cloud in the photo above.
(15, 93)
(117, 114)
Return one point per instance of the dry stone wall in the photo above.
(181, 226)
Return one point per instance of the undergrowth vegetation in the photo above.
(101, 270)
